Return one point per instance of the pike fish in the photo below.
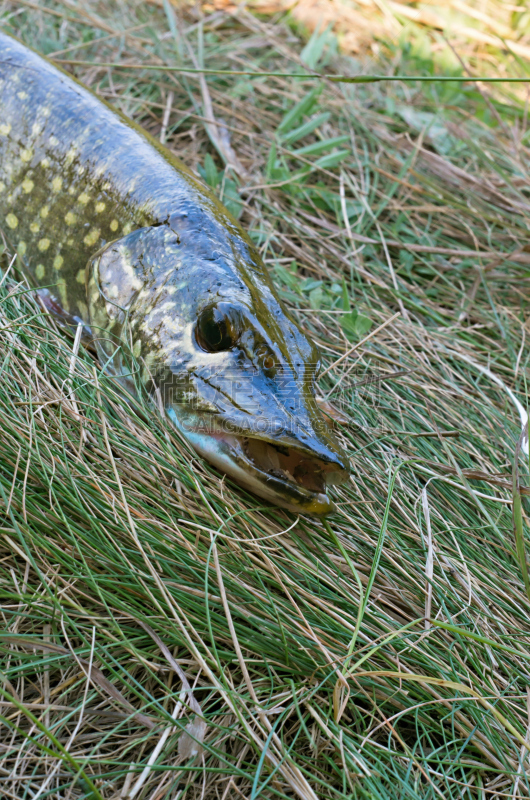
(117, 234)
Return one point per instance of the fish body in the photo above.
(116, 233)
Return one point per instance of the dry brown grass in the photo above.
(385, 655)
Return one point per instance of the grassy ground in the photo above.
(482, 36)
(383, 655)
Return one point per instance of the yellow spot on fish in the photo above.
(45, 210)
(106, 187)
(71, 154)
(54, 141)
(80, 277)
(91, 237)
(58, 262)
(2, 186)
(45, 111)
(57, 184)
(137, 349)
(22, 95)
(127, 228)
(45, 162)
(40, 271)
(4, 129)
(100, 207)
(71, 190)
(36, 128)
(61, 288)
(79, 169)
(114, 225)
(21, 248)
(28, 185)
(83, 309)
(69, 242)
(12, 221)
(43, 244)
(83, 198)
(26, 154)
(34, 227)
(70, 218)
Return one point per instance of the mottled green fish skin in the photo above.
(75, 174)
(115, 232)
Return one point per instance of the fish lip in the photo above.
(288, 492)
(229, 453)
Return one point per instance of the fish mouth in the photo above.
(288, 476)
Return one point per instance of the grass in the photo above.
(482, 37)
(165, 634)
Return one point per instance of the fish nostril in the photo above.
(265, 360)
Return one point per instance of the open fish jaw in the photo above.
(284, 476)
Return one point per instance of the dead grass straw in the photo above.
(385, 654)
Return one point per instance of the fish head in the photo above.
(217, 350)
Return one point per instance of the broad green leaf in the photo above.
(295, 114)
(332, 159)
(355, 325)
(315, 297)
(231, 199)
(307, 128)
(280, 173)
(519, 537)
(288, 276)
(310, 283)
(211, 173)
(314, 49)
(319, 147)
(363, 325)
(406, 259)
(271, 160)
(345, 297)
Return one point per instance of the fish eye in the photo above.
(218, 328)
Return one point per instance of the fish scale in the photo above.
(116, 233)
(83, 160)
